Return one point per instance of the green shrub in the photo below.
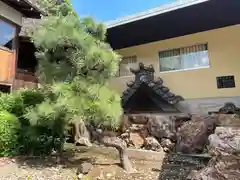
(9, 134)
(39, 141)
(19, 101)
(46, 130)
(12, 103)
(31, 97)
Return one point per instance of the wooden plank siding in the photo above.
(7, 66)
(24, 80)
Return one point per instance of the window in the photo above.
(126, 64)
(7, 34)
(27, 60)
(192, 57)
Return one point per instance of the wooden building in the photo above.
(17, 60)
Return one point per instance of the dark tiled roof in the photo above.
(144, 76)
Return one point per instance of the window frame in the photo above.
(15, 27)
(119, 69)
(186, 69)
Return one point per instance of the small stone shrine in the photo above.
(147, 94)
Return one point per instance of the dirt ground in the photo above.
(106, 166)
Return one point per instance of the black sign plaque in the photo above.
(225, 82)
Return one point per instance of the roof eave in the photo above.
(153, 12)
(26, 7)
(34, 7)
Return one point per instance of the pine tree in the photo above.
(77, 63)
(70, 47)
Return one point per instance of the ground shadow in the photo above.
(71, 157)
(68, 158)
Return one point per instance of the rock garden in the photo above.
(196, 147)
(176, 147)
(74, 126)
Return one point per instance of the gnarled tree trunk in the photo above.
(81, 134)
(121, 146)
(113, 141)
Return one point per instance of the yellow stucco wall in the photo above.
(224, 55)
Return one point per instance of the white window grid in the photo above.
(126, 64)
(178, 54)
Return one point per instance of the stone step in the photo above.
(189, 158)
(178, 166)
(172, 165)
(178, 174)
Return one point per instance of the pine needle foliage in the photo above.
(79, 101)
(75, 64)
(70, 47)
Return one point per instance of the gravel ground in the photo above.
(106, 167)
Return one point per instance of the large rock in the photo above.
(144, 132)
(228, 120)
(151, 143)
(225, 141)
(161, 127)
(167, 143)
(136, 127)
(138, 118)
(229, 108)
(124, 123)
(136, 140)
(180, 119)
(220, 168)
(83, 141)
(224, 145)
(193, 135)
(84, 168)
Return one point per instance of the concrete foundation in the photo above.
(203, 106)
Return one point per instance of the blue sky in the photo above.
(105, 10)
